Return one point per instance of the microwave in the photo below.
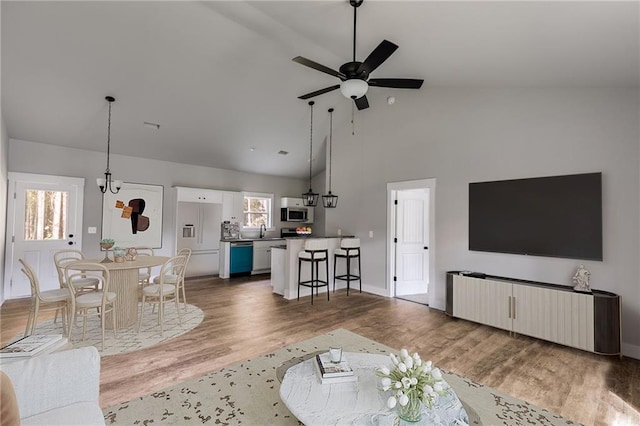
(294, 214)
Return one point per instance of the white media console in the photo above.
(587, 321)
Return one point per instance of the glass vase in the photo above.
(412, 412)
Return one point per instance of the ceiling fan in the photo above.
(354, 75)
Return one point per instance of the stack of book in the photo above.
(29, 346)
(329, 372)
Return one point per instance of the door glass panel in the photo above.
(45, 215)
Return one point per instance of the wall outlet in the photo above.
(92, 230)
(370, 234)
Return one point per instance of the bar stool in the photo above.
(315, 251)
(349, 249)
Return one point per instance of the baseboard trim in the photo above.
(632, 351)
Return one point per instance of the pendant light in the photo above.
(310, 198)
(329, 200)
(106, 182)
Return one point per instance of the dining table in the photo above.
(124, 278)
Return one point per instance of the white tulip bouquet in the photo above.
(412, 382)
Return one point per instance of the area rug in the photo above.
(128, 339)
(248, 393)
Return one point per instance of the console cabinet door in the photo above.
(557, 316)
(481, 300)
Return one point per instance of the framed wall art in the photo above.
(133, 216)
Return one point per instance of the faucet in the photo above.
(263, 230)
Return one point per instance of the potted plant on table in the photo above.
(413, 383)
(106, 244)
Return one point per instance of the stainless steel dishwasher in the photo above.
(241, 260)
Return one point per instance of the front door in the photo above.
(412, 241)
(44, 214)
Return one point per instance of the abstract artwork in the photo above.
(133, 216)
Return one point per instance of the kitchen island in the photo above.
(284, 267)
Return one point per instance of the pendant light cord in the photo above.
(310, 143)
(330, 143)
(109, 137)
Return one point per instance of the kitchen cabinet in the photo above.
(232, 206)
(291, 202)
(199, 195)
(262, 255)
(278, 278)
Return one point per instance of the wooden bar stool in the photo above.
(315, 251)
(349, 249)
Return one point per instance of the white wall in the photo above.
(30, 157)
(458, 136)
(4, 155)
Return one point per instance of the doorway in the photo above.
(411, 248)
(44, 214)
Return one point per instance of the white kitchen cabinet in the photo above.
(310, 211)
(199, 195)
(278, 265)
(232, 206)
(225, 257)
(262, 255)
(291, 202)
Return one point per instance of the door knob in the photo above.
(70, 243)
(70, 235)
(426, 248)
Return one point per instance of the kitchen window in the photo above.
(257, 210)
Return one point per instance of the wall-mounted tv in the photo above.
(556, 216)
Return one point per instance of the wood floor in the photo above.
(243, 319)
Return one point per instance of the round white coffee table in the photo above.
(355, 403)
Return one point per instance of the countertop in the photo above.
(236, 240)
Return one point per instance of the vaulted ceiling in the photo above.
(218, 76)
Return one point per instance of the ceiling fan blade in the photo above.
(319, 67)
(378, 56)
(319, 92)
(362, 103)
(396, 83)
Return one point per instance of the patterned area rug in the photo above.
(248, 393)
(128, 339)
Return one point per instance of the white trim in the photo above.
(271, 214)
(632, 351)
(392, 188)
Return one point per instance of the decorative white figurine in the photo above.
(581, 280)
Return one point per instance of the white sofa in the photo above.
(61, 388)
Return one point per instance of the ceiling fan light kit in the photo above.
(354, 75)
(354, 88)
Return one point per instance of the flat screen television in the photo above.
(556, 216)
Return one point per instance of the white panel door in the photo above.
(412, 247)
(44, 214)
